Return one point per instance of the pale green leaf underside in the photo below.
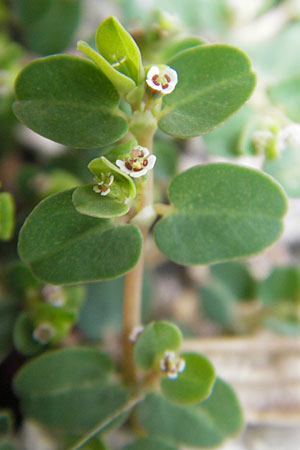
(123, 83)
(205, 425)
(149, 444)
(119, 48)
(220, 212)
(88, 202)
(214, 81)
(62, 246)
(69, 100)
(194, 384)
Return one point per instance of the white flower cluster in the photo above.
(102, 186)
(138, 163)
(162, 79)
(172, 364)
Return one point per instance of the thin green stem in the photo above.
(132, 302)
(105, 423)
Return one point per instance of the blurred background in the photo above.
(244, 315)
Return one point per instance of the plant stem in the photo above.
(132, 302)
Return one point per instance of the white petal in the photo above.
(105, 192)
(153, 86)
(121, 165)
(151, 162)
(172, 376)
(138, 174)
(169, 89)
(172, 74)
(154, 70)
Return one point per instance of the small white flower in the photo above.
(135, 333)
(162, 79)
(289, 135)
(43, 333)
(102, 186)
(138, 163)
(53, 295)
(172, 365)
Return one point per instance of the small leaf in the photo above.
(157, 338)
(149, 444)
(69, 100)
(117, 46)
(81, 378)
(283, 284)
(207, 424)
(7, 216)
(72, 247)
(237, 279)
(218, 303)
(214, 81)
(220, 212)
(194, 384)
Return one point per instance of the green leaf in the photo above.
(116, 202)
(157, 338)
(72, 247)
(194, 384)
(220, 212)
(7, 216)
(23, 340)
(167, 155)
(225, 140)
(69, 100)
(81, 378)
(149, 444)
(283, 284)
(117, 46)
(205, 425)
(236, 277)
(214, 81)
(285, 94)
(48, 26)
(103, 308)
(286, 170)
(218, 303)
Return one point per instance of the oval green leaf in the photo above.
(69, 389)
(194, 384)
(214, 81)
(205, 425)
(62, 246)
(69, 100)
(220, 212)
(118, 48)
(157, 338)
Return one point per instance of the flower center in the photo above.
(137, 160)
(161, 81)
